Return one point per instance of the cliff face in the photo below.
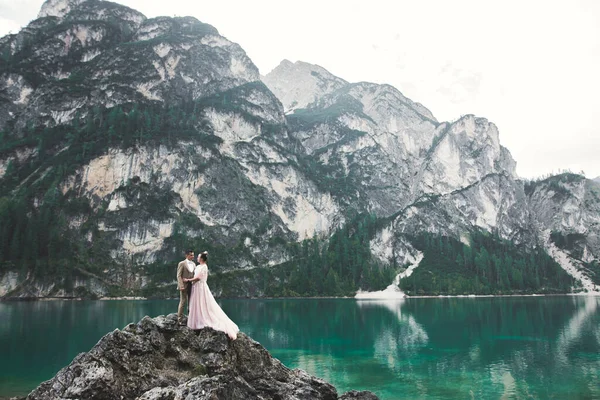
(157, 359)
(161, 130)
(566, 210)
(126, 140)
(393, 158)
(81, 54)
(389, 150)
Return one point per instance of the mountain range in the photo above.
(125, 140)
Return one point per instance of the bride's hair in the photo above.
(203, 256)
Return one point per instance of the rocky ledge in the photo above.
(158, 359)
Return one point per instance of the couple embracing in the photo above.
(193, 289)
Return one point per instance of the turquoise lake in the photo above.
(426, 348)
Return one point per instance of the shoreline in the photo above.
(441, 296)
(497, 295)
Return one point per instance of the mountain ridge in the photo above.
(126, 140)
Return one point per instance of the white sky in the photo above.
(529, 66)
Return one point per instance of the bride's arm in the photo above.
(196, 277)
(199, 274)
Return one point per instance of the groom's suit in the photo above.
(182, 273)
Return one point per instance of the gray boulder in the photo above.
(158, 359)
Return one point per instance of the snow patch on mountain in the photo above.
(410, 269)
(393, 290)
(390, 292)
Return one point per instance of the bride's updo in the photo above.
(203, 256)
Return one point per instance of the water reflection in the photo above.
(391, 343)
(576, 326)
(38, 338)
(498, 348)
(516, 347)
(441, 348)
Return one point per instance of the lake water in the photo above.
(442, 348)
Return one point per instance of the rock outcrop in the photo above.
(156, 359)
(125, 139)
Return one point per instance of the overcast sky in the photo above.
(529, 66)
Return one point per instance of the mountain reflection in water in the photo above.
(437, 348)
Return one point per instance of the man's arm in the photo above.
(180, 284)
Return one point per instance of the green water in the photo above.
(446, 348)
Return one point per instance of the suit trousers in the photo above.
(183, 300)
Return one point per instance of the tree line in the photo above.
(488, 265)
(334, 266)
(35, 214)
(36, 235)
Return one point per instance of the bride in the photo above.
(204, 310)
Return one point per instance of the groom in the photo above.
(185, 269)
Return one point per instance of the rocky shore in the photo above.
(156, 359)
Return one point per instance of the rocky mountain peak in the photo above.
(58, 8)
(299, 84)
(92, 10)
(97, 41)
(159, 132)
(374, 95)
(465, 152)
